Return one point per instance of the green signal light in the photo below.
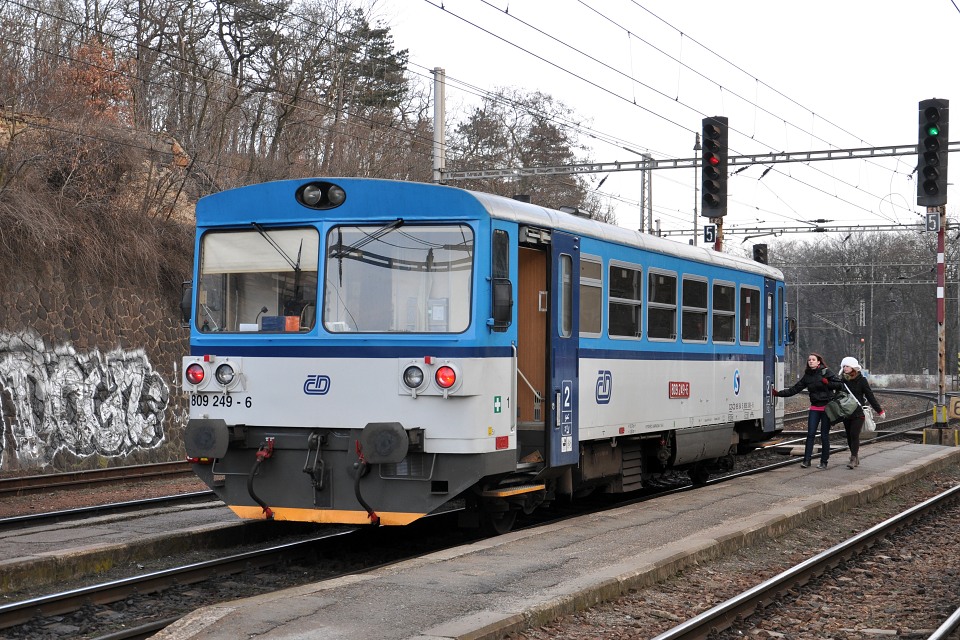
(933, 130)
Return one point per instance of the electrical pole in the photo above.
(439, 124)
(696, 194)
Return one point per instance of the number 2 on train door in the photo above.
(566, 415)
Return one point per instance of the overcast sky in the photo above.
(643, 74)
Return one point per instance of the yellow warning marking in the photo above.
(326, 516)
(505, 492)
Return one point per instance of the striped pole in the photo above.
(940, 421)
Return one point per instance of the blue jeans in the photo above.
(815, 418)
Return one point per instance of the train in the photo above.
(367, 351)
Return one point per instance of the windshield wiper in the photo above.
(295, 305)
(273, 243)
(368, 238)
(341, 251)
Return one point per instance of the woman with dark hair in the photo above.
(822, 384)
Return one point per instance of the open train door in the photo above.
(563, 441)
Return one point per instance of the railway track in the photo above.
(253, 568)
(735, 612)
(21, 614)
(82, 479)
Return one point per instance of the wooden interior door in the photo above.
(532, 307)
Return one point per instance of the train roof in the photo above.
(407, 198)
(526, 213)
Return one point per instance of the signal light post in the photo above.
(714, 182)
(932, 158)
(932, 152)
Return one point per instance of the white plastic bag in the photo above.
(868, 423)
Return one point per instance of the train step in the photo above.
(506, 492)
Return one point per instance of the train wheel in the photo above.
(699, 474)
(496, 517)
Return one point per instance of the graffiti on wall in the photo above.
(55, 399)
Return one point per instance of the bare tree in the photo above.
(512, 128)
(872, 296)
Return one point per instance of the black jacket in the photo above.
(812, 381)
(860, 388)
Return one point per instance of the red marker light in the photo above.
(195, 374)
(446, 377)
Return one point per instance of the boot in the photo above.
(850, 464)
(855, 460)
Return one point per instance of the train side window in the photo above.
(749, 315)
(502, 286)
(768, 320)
(591, 296)
(724, 312)
(693, 316)
(625, 301)
(781, 314)
(566, 296)
(661, 306)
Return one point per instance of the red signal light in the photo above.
(446, 377)
(195, 373)
(714, 160)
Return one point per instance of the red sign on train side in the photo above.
(679, 389)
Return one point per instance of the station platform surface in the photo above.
(526, 578)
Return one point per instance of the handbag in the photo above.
(868, 422)
(843, 405)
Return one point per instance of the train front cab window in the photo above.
(398, 279)
(258, 280)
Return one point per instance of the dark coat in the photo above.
(812, 381)
(861, 390)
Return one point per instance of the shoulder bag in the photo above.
(843, 405)
(869, 425)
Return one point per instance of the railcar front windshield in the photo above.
(398, 278)
(264, 279)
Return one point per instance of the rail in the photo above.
(726, 613)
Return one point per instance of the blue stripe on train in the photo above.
(303, 351)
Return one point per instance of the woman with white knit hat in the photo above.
(860, 388)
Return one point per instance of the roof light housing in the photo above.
(321, 195)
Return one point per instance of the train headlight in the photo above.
(413, 376)
(225, 374)
(321, 195)
(195, 373)
(312, 194)
(336, 196)
(446, 377)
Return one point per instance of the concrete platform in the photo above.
(505, 584)
(45, 555)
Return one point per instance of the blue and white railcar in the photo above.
(372, 351)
